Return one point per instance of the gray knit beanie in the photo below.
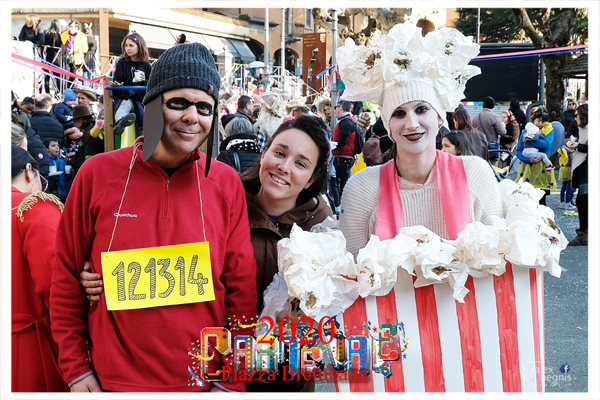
(188, 65)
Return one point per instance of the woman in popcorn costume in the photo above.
(416, 80)
(439, 217)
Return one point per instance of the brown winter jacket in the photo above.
(265, 233)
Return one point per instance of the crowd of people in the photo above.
(287, 167)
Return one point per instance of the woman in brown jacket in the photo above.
(284, 189)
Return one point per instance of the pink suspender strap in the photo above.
(453, 189)
(454, 193)
(389, 212)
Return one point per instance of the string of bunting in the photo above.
(50, 67)
(36, 69)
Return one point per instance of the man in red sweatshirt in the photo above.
(154, 195)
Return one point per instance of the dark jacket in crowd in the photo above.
(244, 146)
(243, 114)
(47, 127)
(34, 35)
(572, 130)
(520, 118)
(124, 75)
(88, 146)
(38, 151)
(62, 111)
(53, 41)
(567, 117)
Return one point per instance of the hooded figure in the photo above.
(271, 115)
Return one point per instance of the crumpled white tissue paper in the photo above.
(477, 246)
(531, 239)
(318, 271)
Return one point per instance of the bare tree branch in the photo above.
(565, 24)
(521, 14)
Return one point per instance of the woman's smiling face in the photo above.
(287, 167)
(414, 127)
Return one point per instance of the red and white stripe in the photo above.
(494, 342)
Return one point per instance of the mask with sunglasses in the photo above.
(203, 108)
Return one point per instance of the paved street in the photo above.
(565, 302)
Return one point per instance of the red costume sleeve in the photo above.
(38, 234)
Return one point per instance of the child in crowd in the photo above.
(532, 133)
(564, 174)
(457, 143)
(64, 110)
(56, 178)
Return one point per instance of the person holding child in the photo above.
(88, 145)
(531, 135)
(536, 169)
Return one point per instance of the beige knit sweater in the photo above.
(421, 204)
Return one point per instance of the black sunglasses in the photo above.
(44, 182)
(181, 103)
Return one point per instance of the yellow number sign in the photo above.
(157, 276)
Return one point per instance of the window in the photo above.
(308, 18)
(288, 25)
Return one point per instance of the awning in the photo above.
(242, 48)
(155, 37)
(163, 38)
(221, 46)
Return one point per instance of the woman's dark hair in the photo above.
(309, 125)
(86, 121)
(19, 160)
(514, 103)
(54, 27)
(582, 111)
(460, 140)
(143, 53)
(463, 121)
(75, 24)
(541, 113)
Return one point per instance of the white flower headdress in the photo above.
(405, 66)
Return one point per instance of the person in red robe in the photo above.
(35, 216)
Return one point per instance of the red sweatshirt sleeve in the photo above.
(68, 303)
(239, 272)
